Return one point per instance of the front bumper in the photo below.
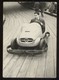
(29, 44)
(27, 50)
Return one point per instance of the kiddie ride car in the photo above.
(31, 40)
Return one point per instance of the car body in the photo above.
(29, 40)
(30, 35)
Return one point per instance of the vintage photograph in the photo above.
(29, 39)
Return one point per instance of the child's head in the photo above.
(36, 15)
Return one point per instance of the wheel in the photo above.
(14, 44)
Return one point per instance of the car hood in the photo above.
(32, 30)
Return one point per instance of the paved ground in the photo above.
(24, 65)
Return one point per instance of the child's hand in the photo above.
(41, 23)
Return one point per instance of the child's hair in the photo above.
(36, 13)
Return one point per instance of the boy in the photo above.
(39, 20)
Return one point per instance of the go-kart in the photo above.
(31, 40)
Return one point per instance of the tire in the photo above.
(14, 44)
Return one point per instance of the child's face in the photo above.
(36, 16)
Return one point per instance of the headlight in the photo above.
(26, 40)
